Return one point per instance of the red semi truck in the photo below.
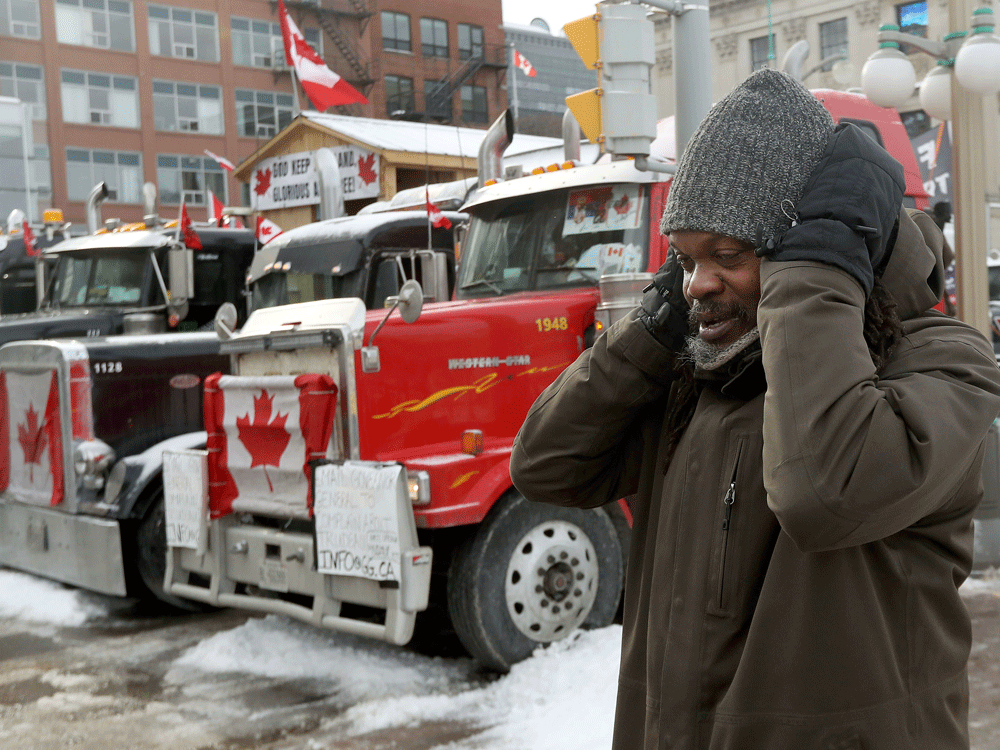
(402, 496)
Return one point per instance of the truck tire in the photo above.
(530, 574)
(151, 557)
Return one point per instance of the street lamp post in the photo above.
(974, 60)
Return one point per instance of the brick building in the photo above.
(131, 92)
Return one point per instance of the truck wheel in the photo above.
(530, 574)
(151, 557)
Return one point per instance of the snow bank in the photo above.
(38, 600)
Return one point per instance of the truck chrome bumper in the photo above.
(80, 550)
(250, 567)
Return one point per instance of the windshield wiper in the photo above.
(483, 282)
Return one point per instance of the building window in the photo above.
(188, 177)
(41, 171)
(474, 104)
(24, 82)
(187, 107)
(261, 114)
(437, 100)
(180, 32)
(95, 23)
(433, 37)
(398, 94)
(20, 18)
(99, 99)
(396, 31)
(258, 44)
(470, 41)
(832, 40)
(761, 52)
(120, 170)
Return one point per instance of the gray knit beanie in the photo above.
(755, 148)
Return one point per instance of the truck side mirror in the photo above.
(225, 321)
(410, 302)
(180, 266)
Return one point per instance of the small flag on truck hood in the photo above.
(267, 230)
(437, 218)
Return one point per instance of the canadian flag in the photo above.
(223, 162)
(262, 433)
(526, 67)
(191, 238)
(323, 87)
(215, 210)
(29, 241)
(31, 437)
(267, 230)
(434, 214)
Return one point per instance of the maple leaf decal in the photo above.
(32, 439)
(263, 181)
(365, 171)
(265, 439)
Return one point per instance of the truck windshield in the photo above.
(113, 278)
(275, 289)
(556, 240)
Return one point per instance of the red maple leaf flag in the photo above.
(222, 161)
(366, 169)
(191, 238)
(214, 209)
(263, 179)
(265, 439)
(323, 87)
(29, 241)
(32, 438)
(520, 61)
(434, 214)
(267, 230)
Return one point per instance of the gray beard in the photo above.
(708, 357)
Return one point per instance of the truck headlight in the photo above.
(91, 459)
(419, 483)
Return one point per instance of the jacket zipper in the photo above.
(729, 501)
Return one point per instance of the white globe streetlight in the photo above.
(977, 64)
(935, 91)
(888, 78)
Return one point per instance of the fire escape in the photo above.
(438, 102)
(344, 22)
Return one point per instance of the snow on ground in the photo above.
(38, 600)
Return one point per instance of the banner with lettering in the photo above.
(285, 181)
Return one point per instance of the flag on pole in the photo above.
(267, 230)
(223, 162)
(526, 67)
(323, 87)
(434, 214)
(191, 238)
(214, 209)
(29, 241)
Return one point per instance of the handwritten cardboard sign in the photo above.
(185, 498)
(357, 513)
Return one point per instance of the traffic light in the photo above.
(620, 113)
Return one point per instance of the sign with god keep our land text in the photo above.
(356, 509)
(185, 498)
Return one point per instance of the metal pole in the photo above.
(969, 190)
(692, 71)
(512, 80)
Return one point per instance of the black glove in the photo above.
(664, 310)
(847, 216)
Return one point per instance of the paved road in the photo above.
(115, 684)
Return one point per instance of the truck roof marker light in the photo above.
(286, 267)
(552, 168)
(472, 442)
(568, 164)
(489, 182)
(538, 170)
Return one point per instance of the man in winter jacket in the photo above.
(804, 436)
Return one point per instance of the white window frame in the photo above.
(269, 52)
(185, 123)
(9, 26)
(124, 180)
(75, 24)
(253, 98)
(17, 83)
(201, 167)
(122, 93)
(174, 21)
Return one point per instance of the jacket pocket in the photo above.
(742, 520)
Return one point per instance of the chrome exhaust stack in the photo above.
(495, 142)
(97, 196)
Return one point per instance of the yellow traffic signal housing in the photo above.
(582, 34)
(586, 108)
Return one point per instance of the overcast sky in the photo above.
(554, 12)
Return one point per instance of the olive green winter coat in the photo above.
(793, 575)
